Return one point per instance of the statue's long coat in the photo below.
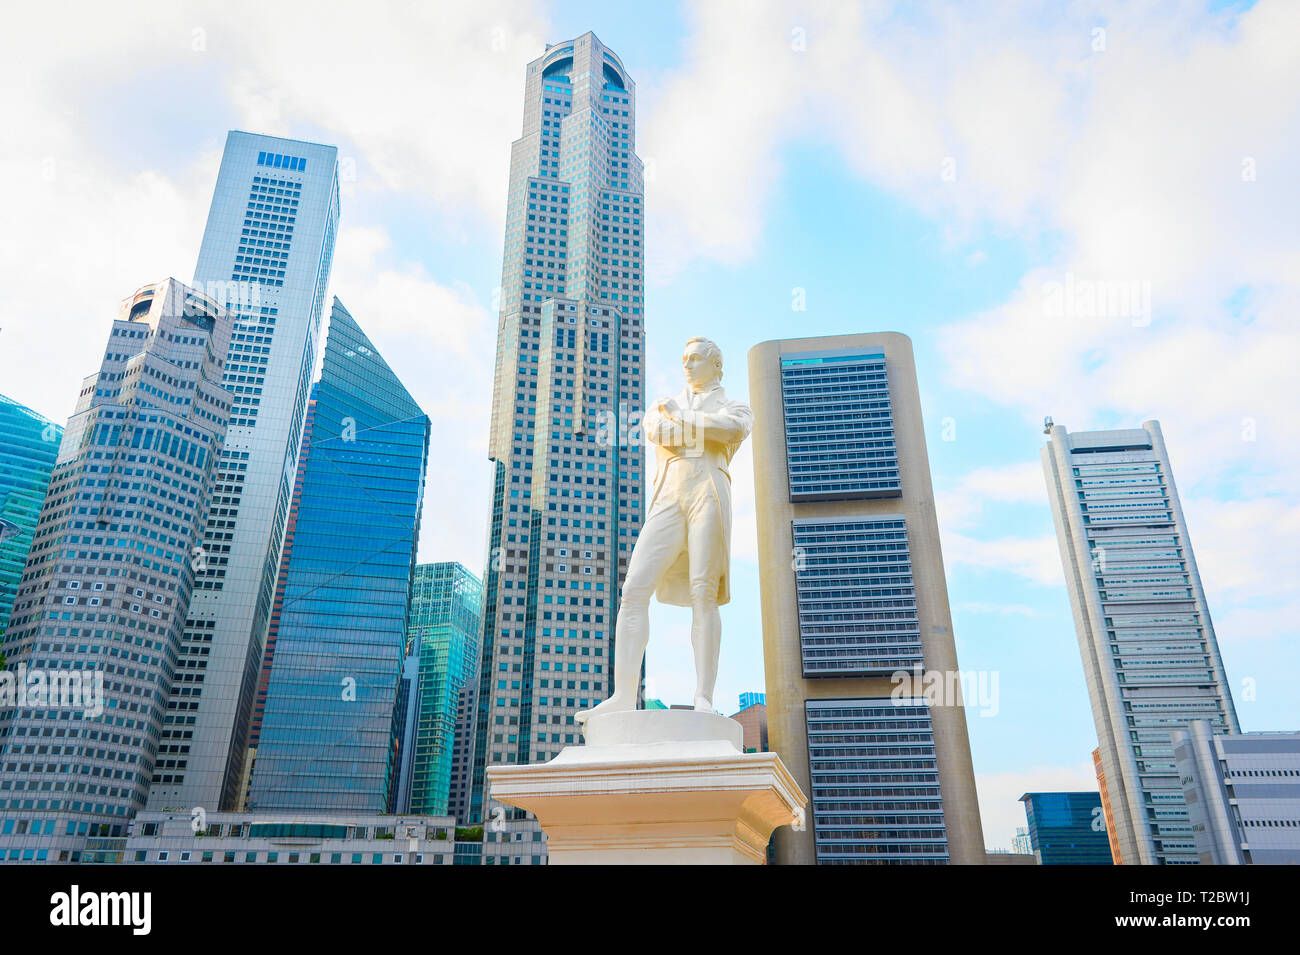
(714, 430)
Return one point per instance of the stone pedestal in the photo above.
(655, 787)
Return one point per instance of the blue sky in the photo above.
(917, 169)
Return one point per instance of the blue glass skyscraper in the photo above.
(1067, 828)
(327, 739)
(268, 657)
(28, 446)
(444, 630)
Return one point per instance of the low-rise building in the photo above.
(753, 720)
(1243, 794)
(250, 838)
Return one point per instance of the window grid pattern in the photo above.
(567, 499)
(328, 740)
(1156, 638)
(875, 783)
(273, 354)
(857, 597)
(443, 630)
(839, 428)
(28, 446)
(109, 576)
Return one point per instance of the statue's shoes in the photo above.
(608, 706)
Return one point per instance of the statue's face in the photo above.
(701, 370)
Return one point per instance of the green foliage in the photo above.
(469, 833)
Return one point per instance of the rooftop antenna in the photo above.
(1047, 424)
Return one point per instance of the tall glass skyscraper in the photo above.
(268, 655)
(1150, 656)
(327, 738)
(444, 628)
(567, 500)
(109, 578)
(856, 623)
(266, 255)
(29, 444)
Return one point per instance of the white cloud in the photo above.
(960, 508)
(405, 301)
(421, 100)
(961, 503)
(1019, 482)
(709, 139)
(440, 341)
(1044, 131)
(1242, 546)
(75, 244)
(1159, 158)
(1130, 160)
(1239, 621)
(1248, 558)
(428, 93)
(1220, 388)
(1036, 559)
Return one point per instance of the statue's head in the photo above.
(702, 361)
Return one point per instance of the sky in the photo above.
(812, 168)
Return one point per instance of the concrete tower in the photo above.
(1150, 656)
(856, 626)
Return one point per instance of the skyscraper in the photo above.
(28, 446)
(109, 578)
(1150, 657)
(273, 629)
(444, 628)
(567, 501)
(328, 736)
(1067, 828)
(405, 719)
(856, 626)
(266, 255)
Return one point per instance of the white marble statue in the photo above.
(683, 552)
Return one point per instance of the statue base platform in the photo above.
(655, 787)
